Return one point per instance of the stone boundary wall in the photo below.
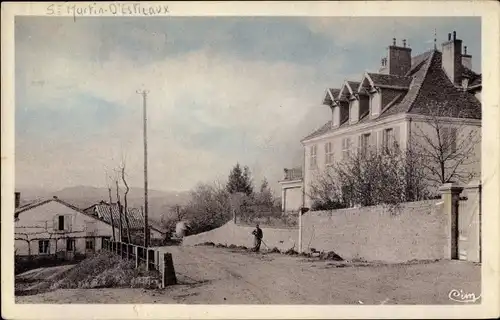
(418, 230)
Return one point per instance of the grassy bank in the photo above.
(103, 270)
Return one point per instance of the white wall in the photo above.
(293, 199)
(464, 129)
(38, 222)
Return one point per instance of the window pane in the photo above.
(61, 223)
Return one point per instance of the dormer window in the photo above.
(465, 83)
(335, 115)
(331, 100)
(375, 103)
(354, 111)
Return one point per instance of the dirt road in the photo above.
(220, 276)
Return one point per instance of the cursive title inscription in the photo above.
(93, 9)
(461, 296)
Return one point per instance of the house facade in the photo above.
(54, 227)
(291, 190)
(399, 105)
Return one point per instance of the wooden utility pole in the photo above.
(144, 94)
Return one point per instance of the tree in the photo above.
(369, 178)
(208, 208)
(176, 214)
(446, 141)
(125, 209)
(265, 194)
(110, 204)
(118, 203)
(240, 181)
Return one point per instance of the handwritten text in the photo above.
(461, 296)
(114, 9)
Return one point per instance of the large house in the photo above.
(391, 105)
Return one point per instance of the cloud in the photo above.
(248, 108)
(220, 91)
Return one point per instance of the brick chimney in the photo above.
(452, 58)
(383, 66)
(466, 59)
(17, 199)
(398, 59)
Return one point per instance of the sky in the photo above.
(222, 90)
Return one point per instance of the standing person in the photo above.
(258, 235)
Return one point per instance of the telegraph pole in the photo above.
(144, 94)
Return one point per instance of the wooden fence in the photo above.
(150, 258)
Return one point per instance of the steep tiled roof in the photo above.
(102, 212)
(42, 202)
(430, 92)
(390, 80)
(322, 130)
(476, 81)
(439, 97)
(354, 85)
(474, 78)
(334, 92)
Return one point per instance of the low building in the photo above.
(291, 190)
(110, 214)
(55, 227)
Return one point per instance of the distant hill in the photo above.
(83, 197)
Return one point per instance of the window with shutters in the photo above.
(89, 244)
(390, 138)
(453, 140)
(449, 140)
(328, 153)
(313, 163)
(70, 244)
(43, 246)
(387, 139)
(62, 223)
(346, 148)
(365, 143)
